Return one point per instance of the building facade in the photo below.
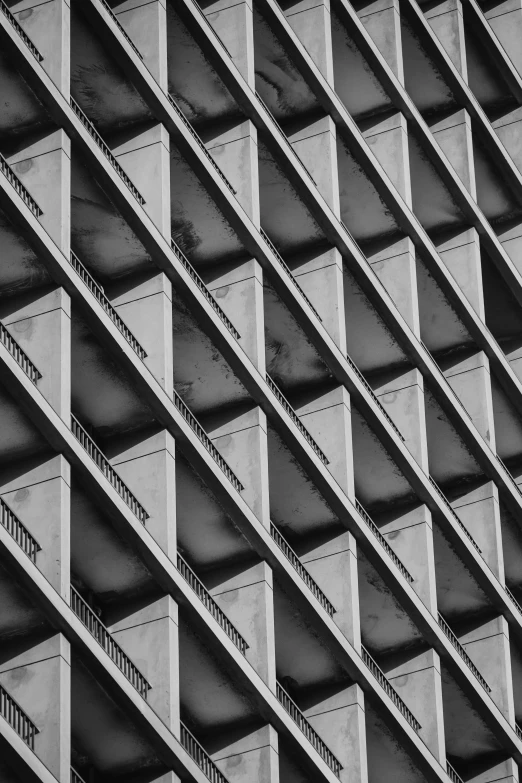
(260, 391)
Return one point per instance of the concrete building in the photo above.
(260, 391)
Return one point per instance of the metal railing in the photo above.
(97, 629)
(462, 652)
(512, 597)
(11, 711)
(509, 474)
(205, 440)
(19, 355)
(274, 388)
(377, 533)
(18, 531)
(13, 180)
(211, 27)
(518, 731)
(97, 291)
(4, 8)
(106, 151)
(311, 735)
(373, 395)
(290, 555)
(203, 288)
(75, 778)
(206, 599)
(200, 756)
(106, 468)
(383, 681)
(119, 26)
(193, 133)
(454, 514)
(288, 271)
(452, 774)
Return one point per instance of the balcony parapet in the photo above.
(373, 396)
(200, 756)
(4, 8)
(454, 515)
(377, 533)
(383, 681)
(13, 180)
(19, 355)
(11, 711)
(452, 774)
(18, 531)
(462, 652)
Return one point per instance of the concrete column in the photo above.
(145, 460)
(469, 377)
(245, 594)
(311, 22)
(326, 414)
(393, 261)
(460, 251)
(38, 492)
(44, 168)
(453, 135)
(505, 18)
(337, 715)
(478, 509)
(147, 630)
(37, 674)
(510, 236)
(40, 322)
(247, 755)
(387, 137)
(48, 25)
(382, 19)
(508, 127)
(416, 678)
(487, 644)
(233, 22)
(315, 143)
(493, 772)
(447, 22)
(145, 22)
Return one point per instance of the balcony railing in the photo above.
(19, 355)
(209, 25)
(18, 531)
(512, 597)
(310, 734)
(454, 515)
(288, 271)
(509, 474)
(106, 151)
(203, 288)
(206, 599)
(75, 778)
(518, 731)
(97, 291)
(205, 440)
(290, 555)
(200, 756)
(4, 8)
(390, 690)
(377, 533)
(374, 396)
(108, 471)
(274, 388)
(95, 627)
(13, 180)
(118, 25)
(196, 137)
(452, 774)
(462, 652)
(17, 719)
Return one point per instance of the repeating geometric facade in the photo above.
(260, 391)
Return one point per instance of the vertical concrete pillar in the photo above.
(510, 235)
(245, 594)
(37, 674)
(247, 755)
(460, 251)
(148, 632)
(48, 25)
(40, 322)
(311, 22)
(145, 460)
(447, 22)
(493, 772)
(38, 492)
(487, 644)
(387, 137)
(393, 261)
(315, 143)
(469, 377)
(508, 128)
(382, 19)
(453, 135)
(416, 678)
(478, 509)
(337, 715)
(505, 18)
(233, 22)
(145, 22)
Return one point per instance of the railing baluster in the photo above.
(452, 774)
(377, 533)
(462, 652)
(454, 515)
(118, 24)
(373, 395)
(17, 530)
(18, 355)
(17, 718)
(20, 30)
(75, 777)
(383, 681)
(200, 756)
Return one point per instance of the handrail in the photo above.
(518, 731)
(19, 355)
(454, 514)
(274, 388)
(22, 191)
(290, 555)
(20, 30)
(452, 390)
(510, 594)
(452, 774)
(200, 756)
(121, 29)
(195, 135)
(383, 681)
(311, 735)
(106, 151)
(18, 531)
(203, 288)
(205, 440)
(211, 27)
(97, 291)
(377, 533)
(206, 599)
(106, 468)
(462, 652)
(509, 474)
(105, 639)
(11, 711)
(373, 395)
(75, 777)
(288, 271)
